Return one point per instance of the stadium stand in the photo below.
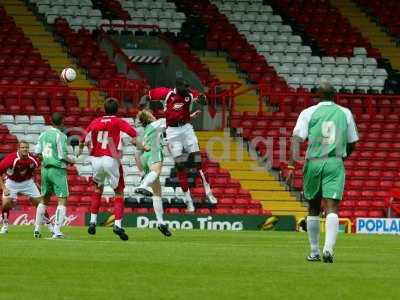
(269, 48)
(294, 61)
(384, 12)
(24, 127)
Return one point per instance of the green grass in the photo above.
(194, 265)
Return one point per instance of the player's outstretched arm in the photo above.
(195, 114)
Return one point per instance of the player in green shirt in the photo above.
(149, 159)
(52, 146)
(332, 135)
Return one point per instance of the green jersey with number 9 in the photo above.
(52, 144)
(328, 127)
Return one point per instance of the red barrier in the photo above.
(277, 98)
(128, 91)
(223, 93)
(392, 203)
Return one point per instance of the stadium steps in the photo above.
(368, 28)
(49, 49)
(253, 177)
(219, 66)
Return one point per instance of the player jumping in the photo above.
(332, 135)
(104, 138)
(180, 134)
(19, 167)
(151, 162)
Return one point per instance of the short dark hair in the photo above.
(57, 119)
(326, 92)
(20, 142)
(180, 81)
(111, 106)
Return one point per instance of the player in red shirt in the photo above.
(180, 134)
(104, 138)
(19, 167)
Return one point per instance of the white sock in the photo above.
(60, 217)
(118, 223)
(313, 233)
(40, 210)
(93, 218)
(207, 187)
(188, 197)
(158, 209)
(331, 231)
(149, 179)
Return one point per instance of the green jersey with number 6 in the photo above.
(52, 145)
(328, 128)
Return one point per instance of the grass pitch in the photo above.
(194, 265)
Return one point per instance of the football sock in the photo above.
(183, 180)
(4, 214)
(149, 179)
(93, 218)
(313, 229)
(331, 230)
(118, 223)
(60, 217)
(158, 209)
(40, 211)
(188, 197)
(207, 188)
(94, 207)
(46, 217)
(95, 203)
(118, 210)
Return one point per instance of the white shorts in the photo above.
(182, 138)
(106, 170)
(27, 188)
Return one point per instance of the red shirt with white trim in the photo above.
(18, 169)
(176, 107)
(105, 136)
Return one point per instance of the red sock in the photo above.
(5, 212)
(95, 203)
(183, 180)
(118, 207)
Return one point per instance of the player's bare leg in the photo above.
(149, 179)
(94, 209)
(42, 216)
(158, 208)
(60, 217)
(118, 213)
(331, 229)
(7, 205)
(41, 212)
(313, 229)
(195, 157)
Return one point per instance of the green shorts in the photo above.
(54, 181)
(324, 178)
(151, 157)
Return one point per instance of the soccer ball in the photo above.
(68, 75)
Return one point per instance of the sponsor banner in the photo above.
(378, 225)
(28, 218)
(204, 222)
